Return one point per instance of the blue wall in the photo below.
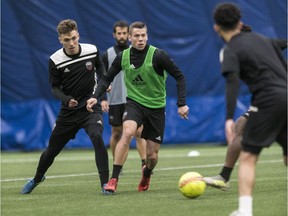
(183, 28)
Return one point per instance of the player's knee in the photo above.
(96, 136)
(128, 133)
(152, 155)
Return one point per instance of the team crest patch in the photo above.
(89, 65)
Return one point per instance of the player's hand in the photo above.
(183, 112)
(73, 103)
(109, 89)
(90, 103)
(230, 130)
(105, 106)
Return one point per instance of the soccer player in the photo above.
(117, 95)
(73, 79)
(145, 68)
(258, 63)
(221, 181)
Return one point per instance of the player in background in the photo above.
(145, 68)
(73, 79)
(117, 96)
(258, 63)
(221, 181)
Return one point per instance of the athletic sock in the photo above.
(226, 172)
(245, 205)
(116, 171)
(143, 162)
(147, 172)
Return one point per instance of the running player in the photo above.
(145, 68)
(73, 79)
(117, 95)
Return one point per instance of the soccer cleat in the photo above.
(30, 185)
(217, 182)
(111, 185)
(105, 192)
(238, 213)
(145, 181)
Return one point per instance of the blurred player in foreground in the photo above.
(258, 62)
(221, 181)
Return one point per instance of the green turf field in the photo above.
(72, 185)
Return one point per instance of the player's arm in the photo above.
(105, 82)
(55, 81)
(162, 62)
(281, 43)
(108, 78)
(232, 89)
(105, 60)
(230, 69)
(100, 71)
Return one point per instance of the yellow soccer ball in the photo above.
(191, 185)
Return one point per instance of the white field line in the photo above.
(131, 156)
(134, 171)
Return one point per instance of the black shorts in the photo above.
(266, 124)
(153, 120)
(116, 114)
(69, 122)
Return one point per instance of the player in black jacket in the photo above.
(257, 62)
(74, 70)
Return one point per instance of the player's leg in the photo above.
(151, 162)
(122, 147)
(56, 144)
(121, 153)
(93, 125)
(261, 130)
(153, 132)
(116, 134)
(246, 181)
(152, 155)
(132, 119)
(115, 120)
(233, 151)
(60, 135)
(141, 145)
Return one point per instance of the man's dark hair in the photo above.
(136, 24)
(246, 28)
(120, 23)
(66, 26)
(227, 16)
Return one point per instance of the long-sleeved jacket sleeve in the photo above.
(109, 76)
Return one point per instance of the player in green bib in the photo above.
(145, 69)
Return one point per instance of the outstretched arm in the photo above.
(232, 88)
